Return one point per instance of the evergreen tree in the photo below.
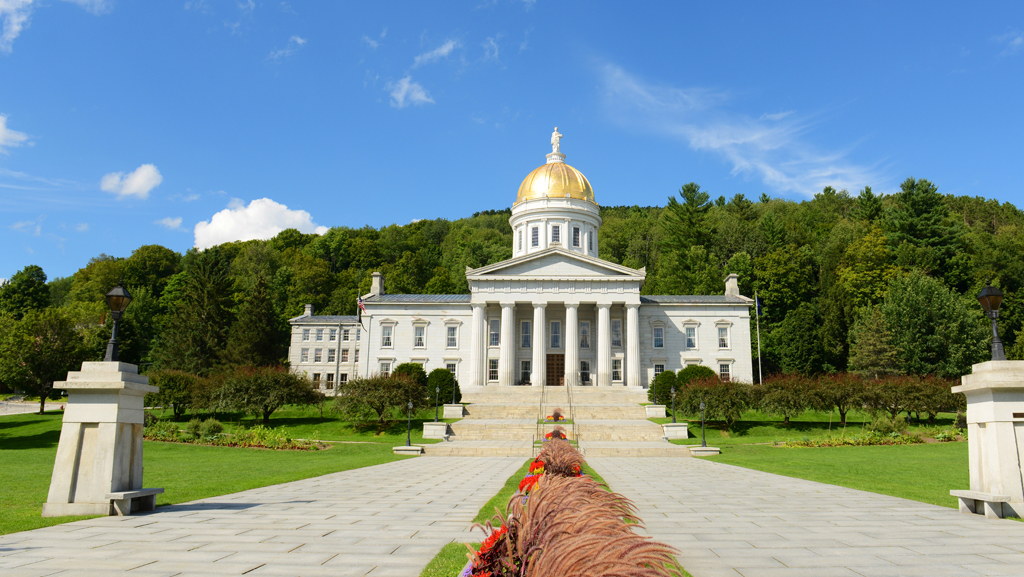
(441, 283)
(918, 217)
(796, 342)
(26, 291)
(868, 205)
(258, 337)
(872, 354)
(151, 266)
(686, 223)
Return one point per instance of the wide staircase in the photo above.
(603, 421)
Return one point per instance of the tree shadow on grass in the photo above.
(44, 440)
(11, 424)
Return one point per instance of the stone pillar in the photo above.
(478, 347)
(540, 347)
(633, 346)
(506, 351)
(100, 448)
(995, 427)
(604, 345)
(572, 345)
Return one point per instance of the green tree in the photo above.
(151, 266)
(441, 283)
(94, 281)
(872, 354)
(866, 269)
(60, 290)
(788, 395)
(377, 397)
(260, 391)
(177, 390)
(686, 223)
(660, 391)
(918, 217)
(785, 278)
(692, 373)
(445, 380)
(843, 392)
(39, 349)
(258, 336)
(868, 205)
(796, 343)
(415, 374)
(26, 291)
(139, 326)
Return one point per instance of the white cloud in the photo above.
(16, 14)
(94, 6)
(773, 147)
(262, 219)
(491, 48)
(1013, 41)
(384, 32)
(170, 223)
(436, 54)
(776, 115)
(82, 227)
(373, 43)
(247, 7)
(8, 137)
(294, 43)
(191, 197)
(406, 92)
(137, 183)
(33, 227)
(2, 281)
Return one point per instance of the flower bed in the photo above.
(259, 437)
(859, 441)
(560, 522)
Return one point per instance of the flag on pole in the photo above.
(360, 310)
(359, 301)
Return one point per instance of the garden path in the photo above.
(383, 520)
(731, 521)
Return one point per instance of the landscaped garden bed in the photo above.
(210, 432)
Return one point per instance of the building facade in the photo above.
(553, 314)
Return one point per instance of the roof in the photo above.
(462, 298)
(694, 299)
(324, 320)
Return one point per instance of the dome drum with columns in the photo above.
(553, 314)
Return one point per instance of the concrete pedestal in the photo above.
(676, 430)
(655, 411)
(437, 430)
(100, 448)
(453, 412)
(995, 426)
(698, 451)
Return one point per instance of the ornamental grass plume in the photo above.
(561, 459)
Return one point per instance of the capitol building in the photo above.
(553, 314)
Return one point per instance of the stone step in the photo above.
(480, 449)
(633, 449)
(581, 411)
(525, 430)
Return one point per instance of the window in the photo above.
(520, 239)
(385, 336)
(385, 369)
(342, 378)
(556, 233)
(452, 367)
(524, 372)
(492, 369)
(659, 337)
(357, 335)
(723, 372)
(344, 355)
(495, 332)
(617, 370)
(316, 379)
(344, 335)
(330, 355)
(334, 335)
(585, 335)
(355, 356)
(524, 334)
(658, 369)
(556, 334)
(723, 337)
(453, 337)
(330, 381)
(585, 372)
(305, 334)
(319, 335)
(419, 337)
(535, 237)
(576, 236)
(691, 337)
(305, 356)
(318, 355)
(616, 332)
(590, 241)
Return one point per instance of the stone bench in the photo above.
(128, 502)
(993, 504)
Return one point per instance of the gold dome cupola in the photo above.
(555, 179)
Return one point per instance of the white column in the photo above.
(604, 345)
(540, 345)
(506, 351)
(478, 348)
(572, 344)
(633, 345)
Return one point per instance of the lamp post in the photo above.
(437, 396)
(408, 429)
(673, 405)
(990, 298)
(703, 438)
(455, 387)
(117, 300)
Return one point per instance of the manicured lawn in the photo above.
(28, 444)
(449, 561)
(500, 500)
(923, 473)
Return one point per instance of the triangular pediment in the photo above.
(555, 263)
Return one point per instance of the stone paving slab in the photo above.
(729, 521)
(385, 520)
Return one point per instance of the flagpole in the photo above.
(757, 314)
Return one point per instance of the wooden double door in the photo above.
(556, 370)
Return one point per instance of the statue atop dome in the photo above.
(555, 138)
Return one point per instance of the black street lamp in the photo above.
(117, 300)
(990, 298)
(673, 405)
(408, 430)
(703, 437)
(454, 390)
(437, 396)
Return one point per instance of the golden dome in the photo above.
(555, 180)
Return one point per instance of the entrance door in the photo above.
(556, 370)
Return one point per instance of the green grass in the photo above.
(923, 473)
(449, 561)
(500, 500)
(28, 445)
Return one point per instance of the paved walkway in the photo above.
(384, 520)
(7, 408)
(730, 521)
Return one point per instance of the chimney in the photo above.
(732, 285)
(377, 285)
(309, 310)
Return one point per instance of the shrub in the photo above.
(413, 372)
(445, 380)
(887, 425)
(162, 431)
(844, 392)
(193, 426)
(377, 396)
(892, 395)
(660, 391)
(724, 400)
(210, 428)
(260, 391)
(177, 389)
(934, 396)
(786, 395)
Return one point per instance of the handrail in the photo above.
(539, 435)
(572, 416)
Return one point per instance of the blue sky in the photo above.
(185, 123)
